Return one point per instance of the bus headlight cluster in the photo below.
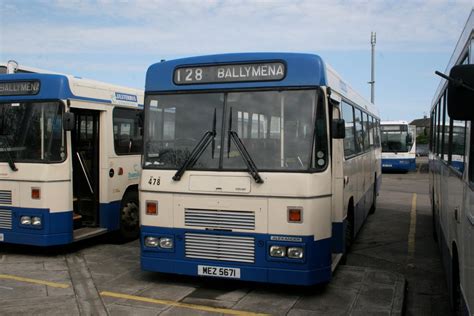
(155, 242)
(30, 221)
(290, 252)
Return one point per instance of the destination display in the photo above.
(271, 71)
(31, 87)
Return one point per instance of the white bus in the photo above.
(69, 158)
(246, 174)
(452, 172)
(398, 146)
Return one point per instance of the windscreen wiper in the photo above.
(198, 150)
(252, 168)
(6, 146)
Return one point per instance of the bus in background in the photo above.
(246, 171)
(69, 158)
(451, 162)
(398, 146)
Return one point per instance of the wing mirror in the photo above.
(68, 121)
(338, 129)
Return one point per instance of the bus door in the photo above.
(85, 155)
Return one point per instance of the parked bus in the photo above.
(246, 171)
(69, 158)
(451, 162)
(398, 146)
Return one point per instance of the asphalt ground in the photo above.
(393, 267)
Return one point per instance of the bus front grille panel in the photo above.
(220, 219)
(219, 247)
(5, 219)
(6, 197)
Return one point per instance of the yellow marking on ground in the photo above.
(179, 304)
(412, 232)
(33, 281)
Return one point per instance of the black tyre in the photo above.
(433, 212)
(129, 216)
(373, 208)
(348, 239)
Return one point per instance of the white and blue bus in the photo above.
(69, 158)
(398, 146)
(246, 171)
(451, 161)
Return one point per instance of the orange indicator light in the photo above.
(295, 215)
(151, 208)
(35, 193)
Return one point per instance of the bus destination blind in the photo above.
(30, 87)
(230, 73)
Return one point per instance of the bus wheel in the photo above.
(374, 199)
(458, 306)
(129, 216)
(433, 212)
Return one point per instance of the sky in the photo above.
(117, 40)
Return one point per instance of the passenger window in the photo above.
(446, 126)
(371, 131)
(438, 130)
(366, 131)
(349, 140)
(458, 145)
(127, 136)
(359, 131)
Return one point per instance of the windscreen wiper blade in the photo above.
(197, 150)
(6, 146)
(252, 168)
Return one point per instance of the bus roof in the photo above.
(302, 70)
(61, 87)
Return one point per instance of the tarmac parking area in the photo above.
(394, 267)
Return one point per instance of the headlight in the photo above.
(151, 242)
(166, 243)
(36, 221)
(278, 251)
(295, 252)
(25, 220)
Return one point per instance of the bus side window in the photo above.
(438, 129)
(127, 136)
(349, 140)
(446, 130)
(458, 145)
(359, 131)
(471, 155)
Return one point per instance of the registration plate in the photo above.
(385, 165)
(233, 273)
(2, 237)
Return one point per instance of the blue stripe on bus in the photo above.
(314, 268)
(56, 228)
(109, 215)
(408, 164)
(302, 70)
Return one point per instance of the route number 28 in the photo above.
(190, 74)
(154, 181)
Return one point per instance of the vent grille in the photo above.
(6, 197)
(219, 219)
(221, 248)
(5, 219)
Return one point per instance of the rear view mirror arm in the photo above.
(456, 82)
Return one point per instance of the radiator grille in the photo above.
(220, 219)
(218, 247)
(6, 197)
(5, 219)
